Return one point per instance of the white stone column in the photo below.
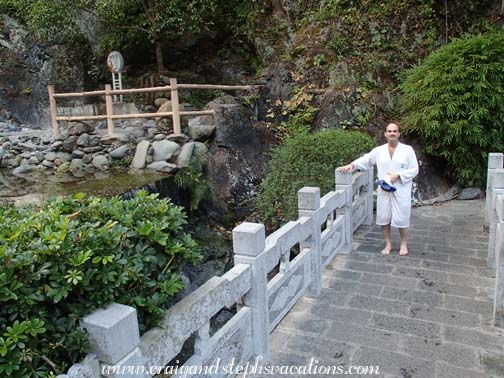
(114, 338)
(248, 247)
(308, 206)
(495, 161)
(368, 189)
(498, 309)
(344, 182)
(496, 186)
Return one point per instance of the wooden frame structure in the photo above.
(110, 116)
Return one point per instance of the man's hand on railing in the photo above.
(346, 168)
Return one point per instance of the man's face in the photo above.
(392, 132)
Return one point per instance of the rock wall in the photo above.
(26, 68)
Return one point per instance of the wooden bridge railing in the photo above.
(110, 116)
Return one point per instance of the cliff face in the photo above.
(352, 53)
(26, 68)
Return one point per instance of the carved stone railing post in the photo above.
(496, 186)
(498, 315)
(495, 161)
(114, 338)
(344, 182)
(249, 241)
(368, 190)
(308, 205)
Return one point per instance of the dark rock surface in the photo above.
(27, 67)
(237, 159)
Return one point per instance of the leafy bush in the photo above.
(62, 261)
(454, 101)
(306, 160)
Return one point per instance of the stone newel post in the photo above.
(308, 205)
(496, 186)
(344, 182)
(498, 309)
(114, 338)
(248, 246)
(495, 161)
(368, 189)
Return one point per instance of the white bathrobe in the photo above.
(392, 208)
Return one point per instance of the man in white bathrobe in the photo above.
(397, 165)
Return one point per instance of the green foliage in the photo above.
(71, 256)
(122, 24)
(306, 160)
(374, 35)
(296, 114)
(454, 101)
(193, 180)
(199, 98)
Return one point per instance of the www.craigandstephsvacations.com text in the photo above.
(234, 367)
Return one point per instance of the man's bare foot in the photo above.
(403, 251)
(386, 251)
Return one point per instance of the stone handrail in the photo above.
(269, 277)
(494, 219)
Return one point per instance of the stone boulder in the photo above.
(79, 128)
(184, 158)
(101, 162)
(114, 138)
(163, 166)
(120, 152)
(164, 150)
(140, 158)
(200, 129)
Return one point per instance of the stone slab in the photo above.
(450, 317)
(451, 353)
(415, 296)
(396, 364)
(408, 326)
(355, 334)
(379, 305)
(474, 338)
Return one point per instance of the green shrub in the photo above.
(306, 160)
(62, 261)
(454, 101)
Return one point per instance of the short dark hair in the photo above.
(393, 123)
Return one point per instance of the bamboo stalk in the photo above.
(81, 94)
(81, 118)
(54, 111)
(139, 115)
(175, 107)
(163, 114)
(164, 88)
(109, 109)
(212, 86)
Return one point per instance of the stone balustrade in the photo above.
(494, 219)
(270, 275)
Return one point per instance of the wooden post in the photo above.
(175, 107)
(109, 108)
(54, 111)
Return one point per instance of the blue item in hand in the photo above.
(385, 186)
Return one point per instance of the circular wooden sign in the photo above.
(115, 62)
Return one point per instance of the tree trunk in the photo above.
(159, 56)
